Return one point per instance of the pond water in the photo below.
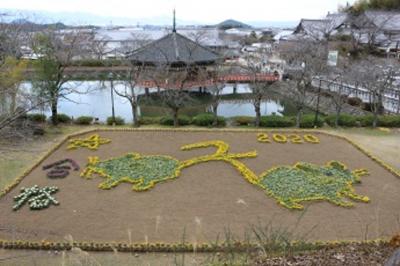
(93, 98)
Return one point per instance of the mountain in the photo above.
(31, 26)
(82, 18)
(231, 23)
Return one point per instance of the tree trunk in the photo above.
(375, 120)
(175, 114)
(3, 104)
(215, 112)
(338, 111)
(134, 115)
(13, 103)
(257, 108)
(298, 117)
(54, 103)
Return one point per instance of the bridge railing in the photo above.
(390, 99)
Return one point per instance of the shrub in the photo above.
(307, 121)
(84, 120)
(63, 118)
(243, 120)
(37, 118)
(206, 120)
(149, 120)
(389, 121)
(276, 121)
(345, 120)
(183, 120)
(119, 121)
(366, 120)
(354, 101)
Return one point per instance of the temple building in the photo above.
(174, 50)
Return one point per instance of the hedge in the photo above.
(307, 121)
(63, 118)
(277, 121)
(345, 120)
(37, 118)
(84, 120)
(149, 120)
(243, 120)
(389, 121)
(183, 120)
(207, 120)
(119, 121)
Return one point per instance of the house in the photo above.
(316, 29)
(379, 28)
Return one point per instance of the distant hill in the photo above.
(31, 26)
(231, 23)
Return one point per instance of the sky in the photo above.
(202, 11)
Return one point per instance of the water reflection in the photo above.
(97, 102)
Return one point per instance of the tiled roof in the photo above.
(173, 48)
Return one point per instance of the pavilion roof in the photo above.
(174, 48)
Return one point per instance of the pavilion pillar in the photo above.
(235, 88)
(146, 91)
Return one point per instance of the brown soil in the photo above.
(205, 200)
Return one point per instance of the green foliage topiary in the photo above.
(207, 120)
(63, 118)
(307, 121)
(183, 120)
(148, 120)
(84, 120)
(366, 120)
(119, 121)
(389, 121)
(37, 118)
(345, 120)
(276, 121)
(243, 120)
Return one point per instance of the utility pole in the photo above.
(111, 77)
(318, 100)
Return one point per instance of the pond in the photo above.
(93, 98)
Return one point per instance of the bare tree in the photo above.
(377, 76)
(214, 79)
(172, 81)
(98, 45)
(260, 88)
(305, 61)
(14, 103)
(56, 52)
(338, 81)
(133, 80)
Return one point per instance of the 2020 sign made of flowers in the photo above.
(288, 185)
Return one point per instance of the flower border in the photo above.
(161, 247)
(236, 246)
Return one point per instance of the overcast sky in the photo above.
(206, 11)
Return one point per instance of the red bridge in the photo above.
(233, 78)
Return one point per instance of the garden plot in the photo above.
(135, 186)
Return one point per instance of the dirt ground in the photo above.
(205, 200)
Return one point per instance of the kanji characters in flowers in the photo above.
(92, 142)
